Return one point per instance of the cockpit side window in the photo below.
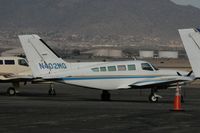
(146, 66)
(1, 62)
(22, 62)
(96, 69)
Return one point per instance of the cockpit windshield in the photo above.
(155, 68)
(22, 62)
(146, 66)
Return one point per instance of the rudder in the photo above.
(42, 59)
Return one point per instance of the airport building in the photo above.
(146, 54)
(13, 52)
(105, 52)
(168, 54)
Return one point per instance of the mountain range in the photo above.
(91, 18)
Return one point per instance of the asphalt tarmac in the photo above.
(80, 110)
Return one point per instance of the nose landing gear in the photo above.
(153, 97)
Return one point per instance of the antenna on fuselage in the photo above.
(134, 58)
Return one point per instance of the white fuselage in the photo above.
(111, 75)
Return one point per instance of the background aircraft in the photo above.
(48, 66)
(14, 70)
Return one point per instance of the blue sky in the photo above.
(195, 3)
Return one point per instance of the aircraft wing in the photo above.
(8, 77)
(146, 83)
(161, 81)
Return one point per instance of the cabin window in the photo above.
(146, 66)
(131, 67)
(9, 62)
(111, 68)
(121, 68)
(95, 69)
(102, 69)
(1, 62)
(22, 62)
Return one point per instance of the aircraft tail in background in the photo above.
(42, 59)
(191, 42)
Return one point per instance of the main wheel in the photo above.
(105, 96)
(11, 91)
(52, 92)
(153, 98)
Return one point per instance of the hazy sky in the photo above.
(195, 3)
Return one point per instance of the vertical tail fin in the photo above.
(191, 42)
(42, 59)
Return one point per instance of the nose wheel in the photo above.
(153, 97)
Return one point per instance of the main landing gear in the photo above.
(153, 97)
(52, 91)
(105, 96)
(11, 91)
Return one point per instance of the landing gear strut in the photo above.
(182, 99)
(105, 96)
(153, 97)
(52, 91)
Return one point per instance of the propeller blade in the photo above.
(178, 74)
(189, 73)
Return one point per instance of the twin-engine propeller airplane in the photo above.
(46, 65)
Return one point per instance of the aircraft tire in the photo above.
(51, 92)
(11, 91)
(153, 98)
(105, 96)
(54, 92)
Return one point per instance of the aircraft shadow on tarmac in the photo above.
(69, 97)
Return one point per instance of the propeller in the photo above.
(186, 75)
(189, 73)
(179, 74)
